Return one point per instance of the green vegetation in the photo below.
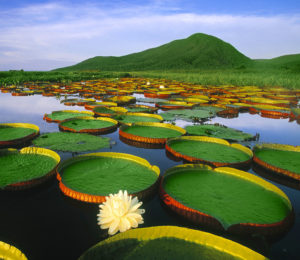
(200, 59)
(253, 76)
(130, 119)
(71, 142)
(8, 133)
(218, 131)
(80, 124)
(104, 175)
(208, 151)
(288, 160)
(225, 197)
(151, 131)
(197, 51)
(18, 77)
(158, 248)
(17, 167)
(187, 114)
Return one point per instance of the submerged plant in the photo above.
(120, 212)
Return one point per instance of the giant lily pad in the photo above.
(13, 134)
(91, 177)
(141, 109)
(130, 118)
(226, 198)
(71, 142)
(150, 132)
(168, 242)
(150, 100)
(27, 167)
(58, 116)
(187, 114)
(8, 251)
(218, 131)
(108, 111)
(215, 151)
(282, 159)
(89, 125)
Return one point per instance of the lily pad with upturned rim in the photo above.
(88, 125)
(71, 142)
(279, 158)
(91, 177)
(58, 116)
(8, 251)
(150, 132)
(218, 131)
(131, 118)
(141, 109)
(226, 199)
(108, 111)
(168, 242)
(13, 134)
(27, 167)
(214, 151)
(187, 114)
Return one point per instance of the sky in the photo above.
(44, 35)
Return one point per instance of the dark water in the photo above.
(45, 224)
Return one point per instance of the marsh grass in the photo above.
(236, 77)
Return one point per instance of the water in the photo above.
(45, 224)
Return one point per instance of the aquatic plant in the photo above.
(120, 212)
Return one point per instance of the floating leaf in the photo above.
(71, 142)
(218, 131)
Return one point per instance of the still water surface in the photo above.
(45, 224)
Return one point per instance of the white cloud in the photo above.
(70, 34)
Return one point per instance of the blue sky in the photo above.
(43, 35)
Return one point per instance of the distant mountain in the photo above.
(199, 51)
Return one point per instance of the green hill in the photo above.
(199, 51)
(286, 62)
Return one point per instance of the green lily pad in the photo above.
(71, 142)
(208, 151)
(98, 175)
(296, 111)
(168, 242)
(151, 131)
(150, 100)
(227, 195)
(130, 119)
(8, 133)
(87, 123)
(218, 131)
(58, 116)
(186, 114)
(19, 167)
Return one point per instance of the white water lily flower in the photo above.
(120, 212)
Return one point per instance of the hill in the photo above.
(286, 62)
(199, 51)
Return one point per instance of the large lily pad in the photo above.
(91, 177)
(218, 131)
(209, 150)
(25, 166)
(230, 196)
(71, 142)
(282, 159)
(168, 242)
(187, 114)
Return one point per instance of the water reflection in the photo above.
(45, 224)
